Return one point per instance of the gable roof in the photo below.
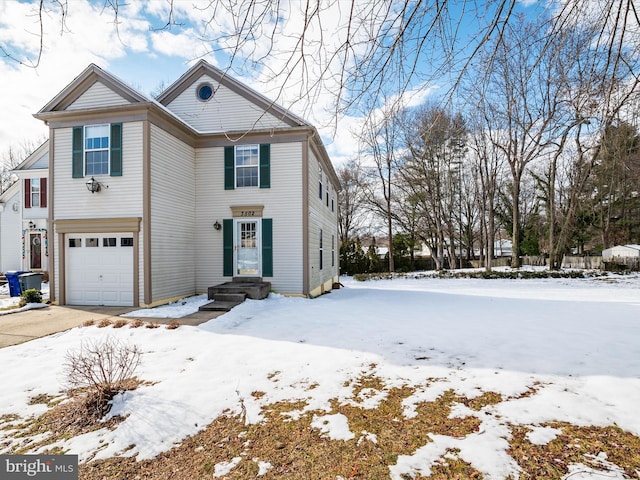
(81, 84)
(202, 67)
(33, 157)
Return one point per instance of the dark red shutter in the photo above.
(27, 193)
(43, 192)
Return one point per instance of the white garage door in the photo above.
(99, 269)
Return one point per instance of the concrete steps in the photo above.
(230, 294)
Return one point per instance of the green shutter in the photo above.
(265, 166)
(227, 247)
(229, 168)
(77, 161)
(267, 247)
(116, 150)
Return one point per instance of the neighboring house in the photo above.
(153, 200)
(24, 222)
(623, 251)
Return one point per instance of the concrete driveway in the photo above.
(21, 327)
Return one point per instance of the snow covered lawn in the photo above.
(515, 365)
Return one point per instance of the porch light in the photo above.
(93, 185)
(217, 225)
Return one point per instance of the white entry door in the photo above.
(247, 243)
(99, 269)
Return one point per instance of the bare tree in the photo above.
(432, 172)
(379, 141)
(351, 201)
(14, 156)
(374, 49)
(488, 167)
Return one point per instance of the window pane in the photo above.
(126, 242)
(97, 150)
(109, 242)
(98, 162)
(92, 242)
(247, 177)
(247, 163)
(75, 242)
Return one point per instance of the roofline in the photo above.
(203, 67)
(87, 78)
(33, 156)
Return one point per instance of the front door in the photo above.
(35, 251)
(247, 243)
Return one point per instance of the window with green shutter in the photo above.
(267, 247)
(115, 169)
(227, 247)
(247, 166)
(96, 150)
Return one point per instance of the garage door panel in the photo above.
(98, 274)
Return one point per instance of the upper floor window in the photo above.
(247, 165)
(320, 183)
(96, 149)
(35, 192)
(204, 91)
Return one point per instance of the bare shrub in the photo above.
(121, 322)
(105, 322)
(88, 323)
(152, 325)
(136, 323)
(103, 369)
(173, 324)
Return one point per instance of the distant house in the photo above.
(24, 216)
(621, 251)
(153, 200)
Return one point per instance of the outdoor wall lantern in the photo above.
(217, 225)
(32, 225)
(93, 185)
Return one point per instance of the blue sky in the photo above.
(144, 56)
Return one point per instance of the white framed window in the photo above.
(333, 250)
(96, 149)
(247, 165)
(35, 192)
(320, 183)
(321, 249)
(327, 187)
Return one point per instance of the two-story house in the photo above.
(153, 200)
(24, 216)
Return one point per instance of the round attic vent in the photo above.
(205, 92)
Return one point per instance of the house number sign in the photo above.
(247, 211)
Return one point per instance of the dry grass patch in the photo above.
(575, 445)
(137, 323)
(173, 324)
(119, 323)
(105, 322)
(152, 325)
(88, 323)
(67, 418)
(295, 450)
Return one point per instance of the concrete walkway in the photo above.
(21, 327)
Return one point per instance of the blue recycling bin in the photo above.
(13, 278)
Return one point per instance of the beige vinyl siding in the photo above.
(122, 198)
(96, 96)
(282, 203)
(173, 220)
(225, 111)
(321, 217)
